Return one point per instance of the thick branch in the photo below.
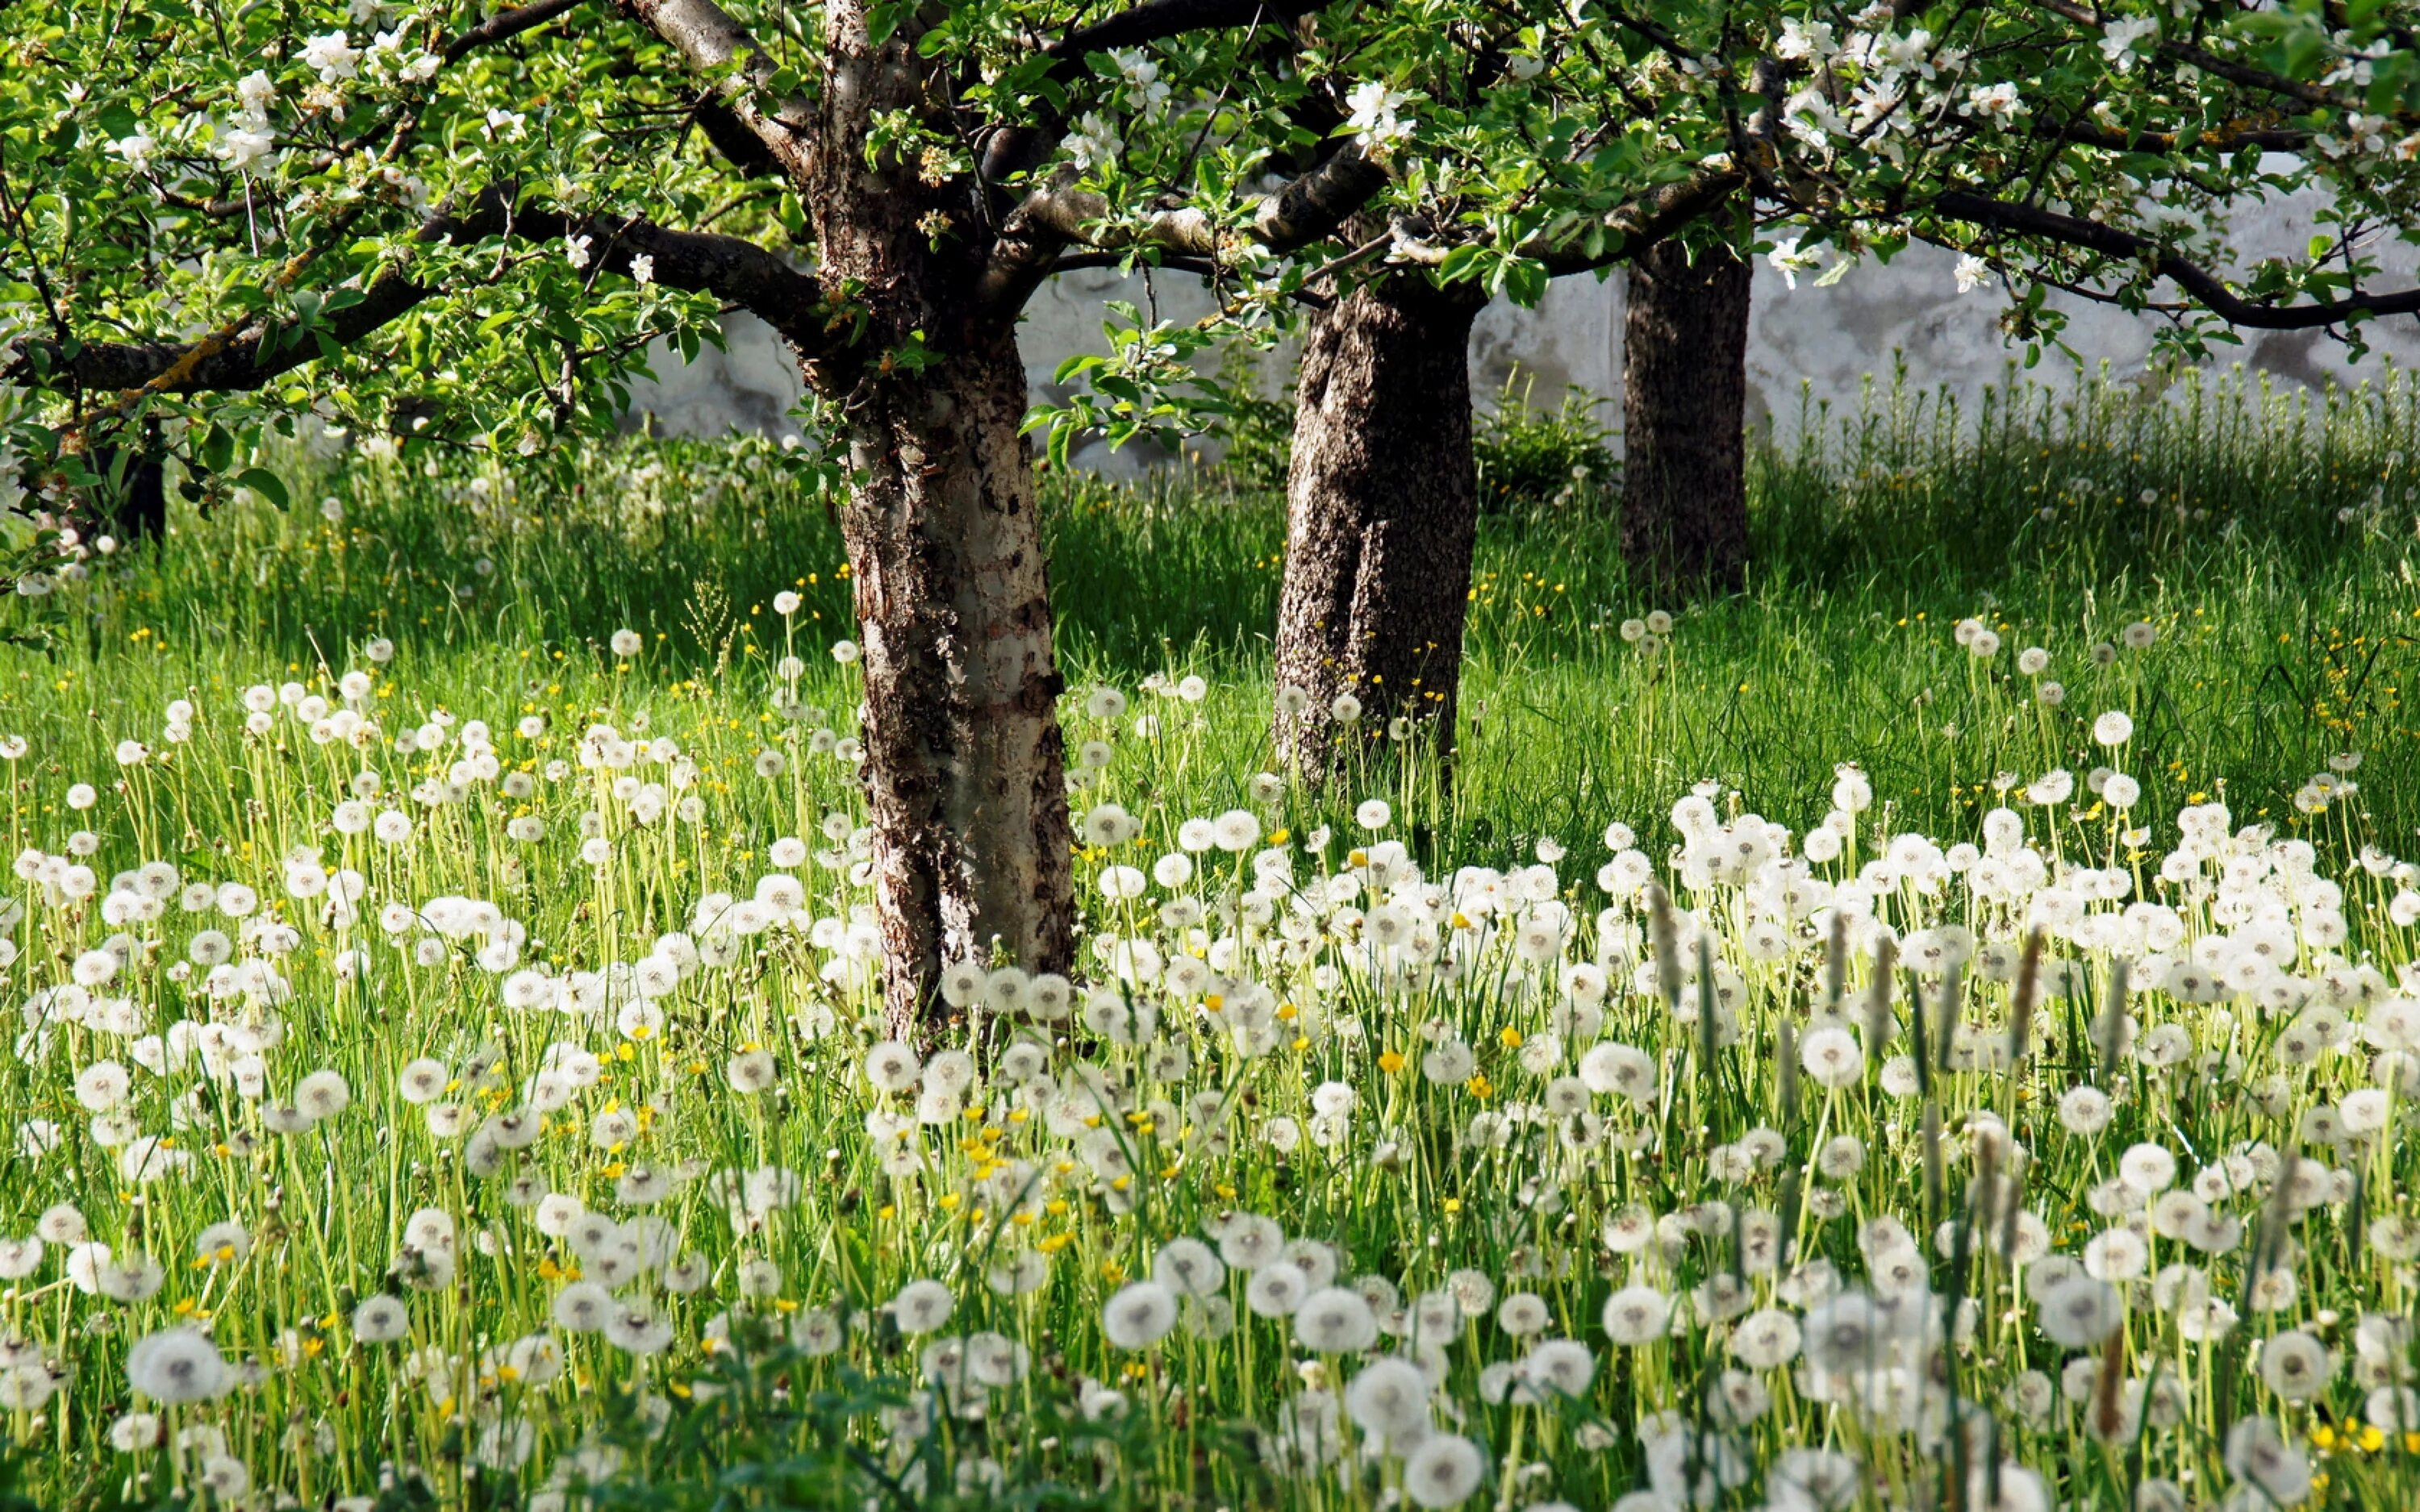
(1307, 208)
(505, 24)
(727, 266)
(2203, 286)
(712, 43)
(1314, 206)
(733, 269)
(746, 153)
(1304, 210)
(1649, 219)
(2265, 139)
(260, 352)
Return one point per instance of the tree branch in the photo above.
(262, 351)
(2205, 288)
(1301, 212)
(730, 267)
(1307, 208)
(505, 24)
(1314, 206)
(733, 269)
(2207, 62)
(706, 36)
(723, 130)
(2266, 139)
(1649, 219)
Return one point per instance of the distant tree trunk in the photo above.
(965, 768)
(1382, 514)
(1684, 417)
(137, 508)
(143, 514)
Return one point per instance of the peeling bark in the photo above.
(965, 761)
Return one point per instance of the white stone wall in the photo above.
(1822, 342)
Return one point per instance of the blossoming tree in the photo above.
(2058, 148)
(462, 228)
(1512, 170)
(465, 229)
(2113, 153)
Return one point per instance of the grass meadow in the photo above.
(1937, 1029)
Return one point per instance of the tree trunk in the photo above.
(1684, 417)
(964, 768)
(1382, 513)
(964, 762)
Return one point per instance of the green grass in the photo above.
(2281, 641)
(2283, 603)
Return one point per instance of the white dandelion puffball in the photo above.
(176, 1365)
(1139, 1315)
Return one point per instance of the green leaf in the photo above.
(266, 484)
(884, 19)
(1459, 263)
(1524, 281)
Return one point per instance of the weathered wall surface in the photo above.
(1819, 343)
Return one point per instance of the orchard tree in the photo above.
(440, 225)
(1381, 502)
(433, 224)
(2061, 149)
(1684, 503)
(1512, 165)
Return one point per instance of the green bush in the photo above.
(1534, 458)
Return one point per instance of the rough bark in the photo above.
(1684, 405)
(964, 762)
(1382, 513)
(905, 325)
(965, 768)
